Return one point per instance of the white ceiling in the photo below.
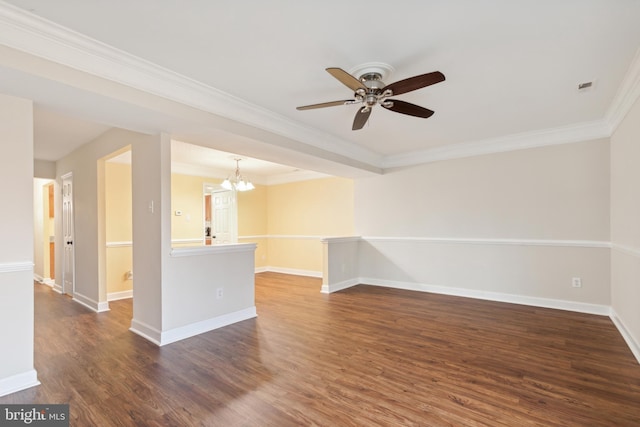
(511, 67)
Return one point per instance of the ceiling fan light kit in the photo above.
(370, 90)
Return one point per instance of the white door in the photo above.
(68, 254)
(222, 221)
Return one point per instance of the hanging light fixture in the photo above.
(237, 182)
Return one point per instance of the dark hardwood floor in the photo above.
(365, 356)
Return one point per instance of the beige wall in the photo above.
(516, 223)
(625, 226)
(16, 254)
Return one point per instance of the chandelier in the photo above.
(237, 182)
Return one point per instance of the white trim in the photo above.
(476, 241)
(146, 331)
(49, 282)
(177, 334)
(554, 136)
(338, 240)
(581, 307)
(213, 249)
(192, 240)
(37, 36)
(626, 250)
(57, 288)
(300, 237)
(123, 244)
(628, 93)
(294, 271)
(12, 267)
(91, 304)
(38, 278)
(115, 296)
(261, 270)
(634, 346)
(18, 382)
(335, 287)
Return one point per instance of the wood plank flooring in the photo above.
(365, 356)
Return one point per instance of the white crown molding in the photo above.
(540, 138)
(29, 33)
(37, 36)
(628, 93)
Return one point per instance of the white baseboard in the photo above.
(177, 334)
(57, 288)
(602, 310)
(19, 382)
(261, 270)
(146, 331)
(115, 296)
(634, 346)
(335, 287)
(294, 271)
(38, 278)
(49, 282)
(91, 304)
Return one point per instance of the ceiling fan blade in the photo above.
(346, 79)
(407, 108)
(415, 82)
(361, 118)
(326, 104)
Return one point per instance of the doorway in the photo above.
(220, 215)
(68, 253)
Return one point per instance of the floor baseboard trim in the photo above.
(581, 307)
(183, 332)
(19, 382)
(98, 307)
(335, 287)
(146, 331)
(631, 342)
(294, 271)
(115, 296)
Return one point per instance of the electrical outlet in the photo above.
(576, 282)
(219, 293)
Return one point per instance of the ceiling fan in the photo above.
(370, 90)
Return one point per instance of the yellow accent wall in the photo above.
(118, 223)
(300, 214)
(252, 222)
(187, 197)
(286, 221)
